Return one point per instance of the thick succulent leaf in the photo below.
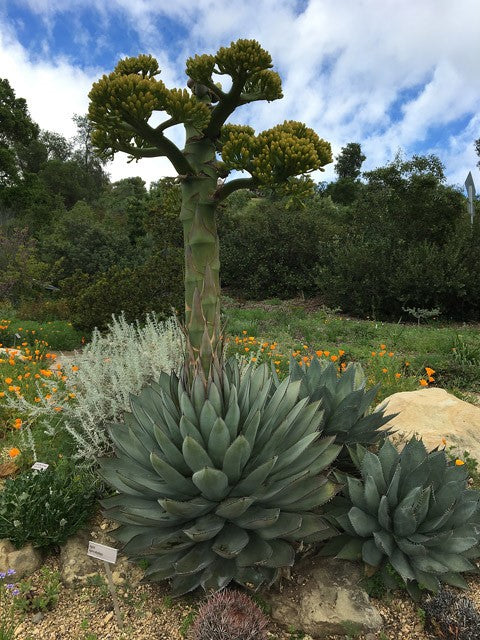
(453, 561)
(283, 555)
(213, 483)
(313, 527)
(404, 522)
(454, 580)
(196, 559)
(251, 483)
(352, 550)
(110, 468)
(250, 428)
(385, 542)
(236, 457)
(286, 458)
(268, 492)
(428, 564)
(150, 488)
(189, 429)
(232, 417)
(142, 544)
(207, 419)
(205, 528)
(129, 445)
(401, 564)
(426, 580)
(356, 493)
(257, 517)
(188, 509)
(198, 394)
(188, 409)
(423, 503)
(195, 455)
(435, 524)
(414, 452)
(218, 575)
(172, 454)
(286, 525)
(258, 381)
(215, 398)
(371, 466)
(282, 401)
(230, 541)
(318, 488)
(257, 550)
(371, 495)
(411, 549)
(234, 507)
(458, 545)
(182, 584)
(392, 491)
(172, 424)
(256, 576)
(277, 439)
(389, 457)
(172, 477)
(322, 450)
(218, 442)
(363, 523)
(383, 514)
(371, 554)
(314, 499)
(164, 562)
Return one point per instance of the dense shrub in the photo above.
(46, 507)
(269, 250)
(156, 285)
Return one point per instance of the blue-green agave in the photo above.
(218, 479)
(345, 403)
(411, 510)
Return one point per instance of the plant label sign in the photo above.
(40, 466)
(102, 552)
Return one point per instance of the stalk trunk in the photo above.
(202, 262)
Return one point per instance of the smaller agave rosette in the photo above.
(410, 510)
(216, 483)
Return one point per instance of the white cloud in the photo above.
(344, 66)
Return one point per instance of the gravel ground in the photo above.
(86, 613)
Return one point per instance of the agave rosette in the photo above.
(411, 510)
(217, 483)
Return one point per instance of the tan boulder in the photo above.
(433, 414)
(24, 561)
(324, 597)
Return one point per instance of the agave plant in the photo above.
(345, 404)
(411, 510)
(217, 480)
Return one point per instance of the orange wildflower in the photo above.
(8, 380)
(398, 375)
(326, 353)
(319, 353)
(341, 352)
(14, 452)
(429, 371)
(423, 383)
(333, 358)
(459, 462)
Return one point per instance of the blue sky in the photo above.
(390, 74)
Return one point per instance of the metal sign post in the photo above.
(107, 555)
(470, 187)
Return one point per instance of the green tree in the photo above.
(16, 129)
(349, 161)
(121, 106)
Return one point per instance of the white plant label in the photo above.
(40, 466)
(102, 552)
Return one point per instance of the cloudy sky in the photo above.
(390, 74)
